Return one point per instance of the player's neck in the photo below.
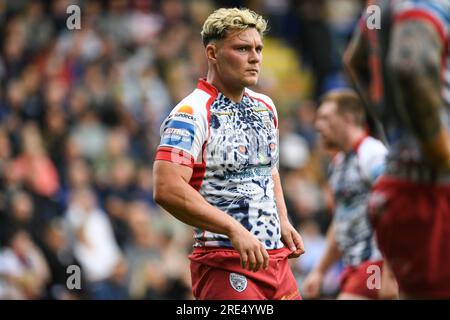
(234, 94)
(355, 136)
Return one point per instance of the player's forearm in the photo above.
(361, 87)
(415, 62)
(423, 106)
(187, 205)
(421, 98)
(438, 149)
(332, 253)
(355, 64)
(353, 72)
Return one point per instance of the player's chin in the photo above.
(250, 81)
(328, 143)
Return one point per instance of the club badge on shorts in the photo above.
(238, 282)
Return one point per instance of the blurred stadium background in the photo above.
(80, 112)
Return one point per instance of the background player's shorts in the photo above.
(412, 223)
(355, 280)
(217, 275)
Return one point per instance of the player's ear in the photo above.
(211, 52)
(349, 118)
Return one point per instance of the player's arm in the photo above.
(389, 285)
(332, 254)
(355, 60)
(290, 237)
(356, 66)
(173, 192)
(415, 60)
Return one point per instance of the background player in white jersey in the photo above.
(360, 160)
(215, 169)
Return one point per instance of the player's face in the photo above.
(239, 58)
(330, 125)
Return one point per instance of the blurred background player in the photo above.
(402, 70)
(360, 160)
(215, 169)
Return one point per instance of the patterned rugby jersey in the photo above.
(232, 148)
(351, 177)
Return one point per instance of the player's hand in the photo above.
(438, 151)
(312, 284)
(253, 254)
(291, 239)
(389, 285)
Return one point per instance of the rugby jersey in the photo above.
(351, 177)
(232, 148)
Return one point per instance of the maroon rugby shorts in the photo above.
(217, 275)
(412, 224)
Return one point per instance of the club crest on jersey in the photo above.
(238, 282)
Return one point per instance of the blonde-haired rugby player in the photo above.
(215, 169)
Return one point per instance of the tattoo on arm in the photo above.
(414, 59)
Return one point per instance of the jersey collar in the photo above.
(207, 87)
(358, 142)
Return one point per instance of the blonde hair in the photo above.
(224, 19)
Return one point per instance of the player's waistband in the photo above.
(207, 249)
(416, 172)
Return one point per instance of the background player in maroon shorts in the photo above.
(402, 71)
(341, 122)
